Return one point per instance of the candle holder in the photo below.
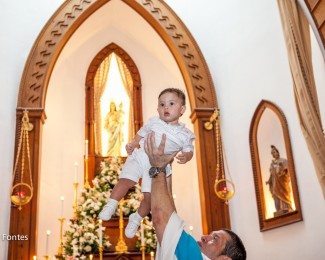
(121, 246)
(22, 192)
(46, 257)
(100, 253)
(87, 186)
(143, 251)
(75, 185)
(59, 254)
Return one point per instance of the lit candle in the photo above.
(86, 149)
(191, 229)
(152, 255)
(21, 194)
(142, 234)
(100, 233)
(174, 196)
(48, 232)
(34, 257)
(75, 171)
(224, 189)
(62, 199)
(91, 257)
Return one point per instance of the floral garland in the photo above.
(81, 236)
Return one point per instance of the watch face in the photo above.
(152, 171)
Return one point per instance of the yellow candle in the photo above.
(142, 234)
(100, 233)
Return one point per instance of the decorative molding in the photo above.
(188, 48)
(42, 57)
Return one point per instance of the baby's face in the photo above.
(170, 108)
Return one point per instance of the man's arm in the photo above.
(162, 204)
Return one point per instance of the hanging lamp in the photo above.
(22, 184)
(223, 187)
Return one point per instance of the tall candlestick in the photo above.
(75, 171)
(142, 234)
(62, 199)
(48, 232)
(100, 233)
(86, 149)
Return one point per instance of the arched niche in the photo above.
(269, 133)
(33, 90)
(95, 159)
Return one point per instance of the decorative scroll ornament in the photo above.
(22, 191)
(223, 187)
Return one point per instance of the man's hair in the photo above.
(176, 91)
(234, 247)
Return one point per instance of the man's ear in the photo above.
(223, 257)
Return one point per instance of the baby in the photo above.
(171, 106)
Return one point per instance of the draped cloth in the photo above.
(297, 37)
(128, 86)
(100, 81)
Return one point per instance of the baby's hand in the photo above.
(181, 158)
(129, 148)
(184, 157)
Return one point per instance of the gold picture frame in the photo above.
(278, 203)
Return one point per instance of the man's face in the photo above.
(212, 245)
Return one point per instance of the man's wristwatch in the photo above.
(153, 172)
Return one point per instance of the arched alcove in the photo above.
(194, 70)
(269, 129)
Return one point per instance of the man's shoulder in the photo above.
(187, 248)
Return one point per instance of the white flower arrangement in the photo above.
(150, 238)
(81, 236)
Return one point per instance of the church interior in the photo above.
(253, 74)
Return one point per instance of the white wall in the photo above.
(21, 24)
(248, 61)
(244, 47)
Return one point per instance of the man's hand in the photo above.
(156, 154)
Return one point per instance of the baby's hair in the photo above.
(176, 91)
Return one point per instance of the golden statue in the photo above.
(114, 122)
